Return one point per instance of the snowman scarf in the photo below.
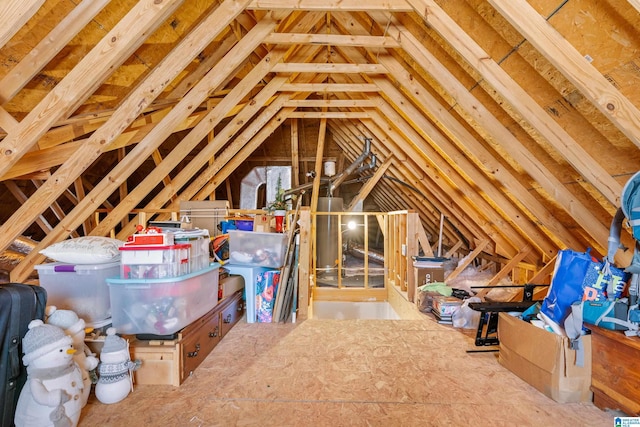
(58, 416)
(110, 373)
(50, 373)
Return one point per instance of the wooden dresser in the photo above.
(172, 361)
(615, 378)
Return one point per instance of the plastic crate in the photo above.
(199, 253)
(79, 287)
(162, 306)
(154, 262)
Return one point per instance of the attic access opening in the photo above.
(348, 253)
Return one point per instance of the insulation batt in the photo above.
(23, 245)
(14, 254)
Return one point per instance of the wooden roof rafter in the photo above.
(447, 102)
(404, 108)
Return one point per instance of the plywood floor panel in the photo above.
(344, 373)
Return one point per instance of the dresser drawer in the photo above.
(160, 362)
(197, 343)
(231, 311)
(172, 361)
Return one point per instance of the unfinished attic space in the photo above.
(320, 212)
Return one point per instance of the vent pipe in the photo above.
(333, 184)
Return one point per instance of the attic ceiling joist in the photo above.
(403, 110)
(331, 5)
(473, 111)
(174, 119)
(519, 100)
(484, 159)
(522, 102)
(263, 98)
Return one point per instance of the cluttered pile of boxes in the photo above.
(551, 362)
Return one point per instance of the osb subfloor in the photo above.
(344, 373)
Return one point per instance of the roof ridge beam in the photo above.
(333, 40)
(332, 5)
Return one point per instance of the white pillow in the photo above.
(85, 250)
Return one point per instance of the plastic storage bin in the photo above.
(79, 287)
(162, 306)
(199, 253)
(255, 248)
(154, 262)
(244, 224)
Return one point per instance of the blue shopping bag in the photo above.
(567, 284)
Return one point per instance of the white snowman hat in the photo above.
(65, 319)
(41, 339)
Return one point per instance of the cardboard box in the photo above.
(545, 360)
(262, 223)
(428, 272)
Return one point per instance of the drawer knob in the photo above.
(214, 333)
(194, 353)
(227, 319)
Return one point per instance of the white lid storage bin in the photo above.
(154, 262)
(79, 287)
(162, 306)
(255, 248)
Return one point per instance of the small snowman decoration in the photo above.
(73, 326)
(52, 395)
(115, 369)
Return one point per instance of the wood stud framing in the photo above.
(468, 122)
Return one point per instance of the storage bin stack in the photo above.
(164, 284)
(257, 257)
(77, 280)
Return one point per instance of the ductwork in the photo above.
(267, 175)
(13, 255)
(368, 166)
(323, 181)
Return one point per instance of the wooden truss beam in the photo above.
(332, 5)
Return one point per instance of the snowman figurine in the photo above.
(52, 395)
(115, 369)
(73, 326)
